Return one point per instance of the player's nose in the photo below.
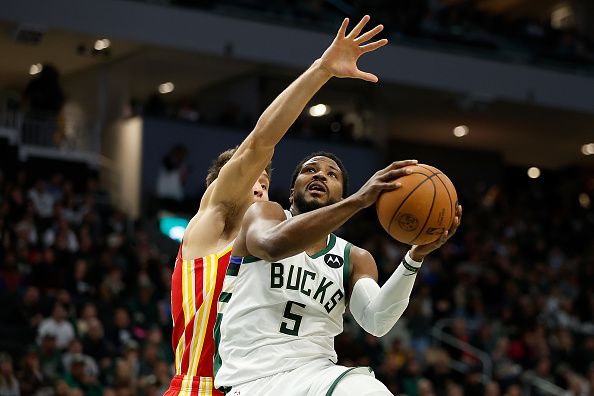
(319, 176)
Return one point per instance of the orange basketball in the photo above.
(422, 209)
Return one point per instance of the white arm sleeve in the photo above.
(378, 309)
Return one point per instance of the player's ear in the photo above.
(291, 192)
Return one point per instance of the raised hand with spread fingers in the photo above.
(340, 59)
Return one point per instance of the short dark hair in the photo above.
(221, 160)
(345, 174)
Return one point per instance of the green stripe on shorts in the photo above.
(337, 380)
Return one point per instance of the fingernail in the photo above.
(398, 185)
(408, 171)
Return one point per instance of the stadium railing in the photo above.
(529, 380)
(440, 335)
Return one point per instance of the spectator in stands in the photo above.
(492, 389)
(144, 306)
(425, 388)
(124, 380)
(42, 200)
(9, 385)
(172, 176)
(82, 289)
(77, 376)
(48, 272)
(30, 308)
(55, 187)
(122, 331)
(513, 390)
(95, 345)
(61, 236)
(75, 351)
(44, 93)
(33, 381)
(163, 373)
(50, 356)
(58, 326)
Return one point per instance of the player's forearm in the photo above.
(298, 233)
(284, 110)
(378, 309)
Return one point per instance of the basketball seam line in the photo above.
(430, 210)
(452, 206)
(452, 209)
(430, 170)
(405, 198)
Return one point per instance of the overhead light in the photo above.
(102, 44)
(166, 87)
(584, 200)
(461, 130)
(319, 110)
(35, 69)
(588, 149)
(534, 172)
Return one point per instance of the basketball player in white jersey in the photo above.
(290, 279)
(235, 181)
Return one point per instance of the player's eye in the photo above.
(264, 187)
(333, 174)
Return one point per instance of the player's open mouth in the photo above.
(317, 187)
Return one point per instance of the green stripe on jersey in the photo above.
(250, 259)
(331, 243)
(218, 362)
(232, 270)
(224, 297)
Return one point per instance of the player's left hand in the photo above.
(418, 252)
(340, 59)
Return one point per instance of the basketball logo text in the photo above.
(408, 222)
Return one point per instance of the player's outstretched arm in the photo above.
(378, 309)
(339, 60)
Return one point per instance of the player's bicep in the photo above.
(362, 266)
(240, 173)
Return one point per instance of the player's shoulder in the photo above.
(265, 209)
(358, 254)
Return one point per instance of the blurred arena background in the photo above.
(111, 111)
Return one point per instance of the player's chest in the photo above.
(308, 280)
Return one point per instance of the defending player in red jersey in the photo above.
(238, 178)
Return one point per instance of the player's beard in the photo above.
(304, 205)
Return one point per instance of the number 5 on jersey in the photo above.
(284, 328)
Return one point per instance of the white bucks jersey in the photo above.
(275, 317)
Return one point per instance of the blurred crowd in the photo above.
(84, 296)
(462, 24)
(84, 299)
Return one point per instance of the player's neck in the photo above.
(316, 247)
